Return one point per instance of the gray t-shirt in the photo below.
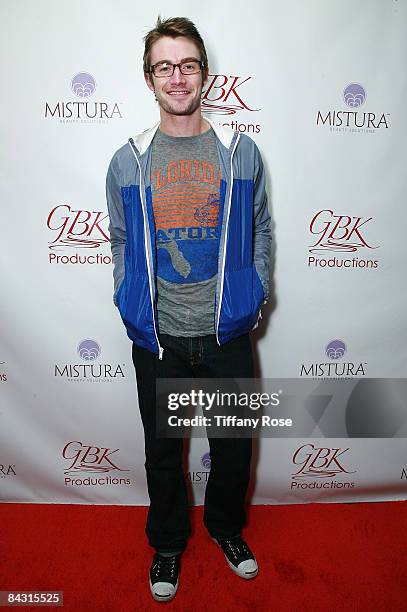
(185, 183)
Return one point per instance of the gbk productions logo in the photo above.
(3, 373)
(82, 109)
(320, 468)
(352, 119)
(83, 459)
(80, 230)
(7, 470)
(91, 369)
(335, 366)
(224, 95)
(201, 476)
(340, 241)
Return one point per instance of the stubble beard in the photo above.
(193, 105)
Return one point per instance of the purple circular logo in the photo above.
(206, 461)
(88, 350)
(354, 95)
(335, 349)
(83, 84)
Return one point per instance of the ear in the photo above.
(149, 81)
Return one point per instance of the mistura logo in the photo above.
(3, 374)
(201, 476)
(314, 464)
(340, 241)
(83, 109)
(335, 366)
(7, 470)
(89, 459)
(353, 119)
(76, 228)
(91, 370)
(229, 95)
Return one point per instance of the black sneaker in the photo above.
(239, 557)
(164, 574)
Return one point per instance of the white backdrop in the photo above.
(321, 87)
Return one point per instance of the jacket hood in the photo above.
(142, 141)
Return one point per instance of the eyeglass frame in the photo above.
(185, 61)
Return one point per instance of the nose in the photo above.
(177, 77)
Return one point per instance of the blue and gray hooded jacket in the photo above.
(244, 248)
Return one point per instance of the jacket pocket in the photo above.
(136, 310)
(243, 296)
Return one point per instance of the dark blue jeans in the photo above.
(168, 524)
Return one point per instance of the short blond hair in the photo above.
(173, 27)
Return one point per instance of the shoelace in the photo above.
(238, 548)
(164, 566)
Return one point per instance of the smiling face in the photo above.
(179, 94)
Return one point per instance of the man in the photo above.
(190, 241)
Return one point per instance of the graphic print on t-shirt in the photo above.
(185, 196)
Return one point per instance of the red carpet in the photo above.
(335, 557)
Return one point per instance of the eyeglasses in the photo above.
(166, 69)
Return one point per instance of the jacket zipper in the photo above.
(226, 239)
(143, 206)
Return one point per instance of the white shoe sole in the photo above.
(158, 597)
(245, 575)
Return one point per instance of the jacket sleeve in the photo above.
(117, 227)
(262, 230)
